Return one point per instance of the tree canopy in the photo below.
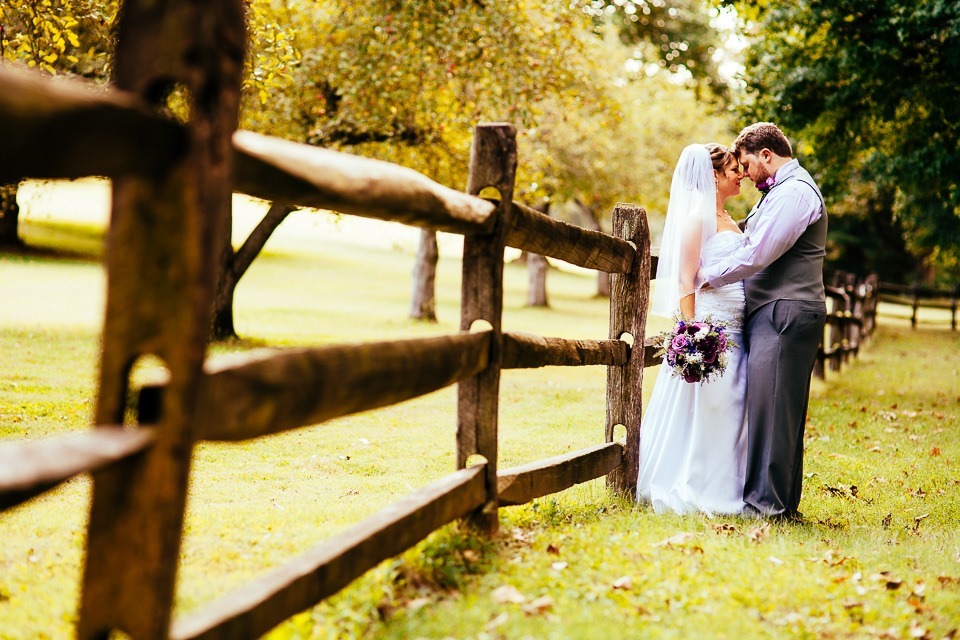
(872, 91)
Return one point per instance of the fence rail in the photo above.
(915, 297)
(29, 468)
(259, 606)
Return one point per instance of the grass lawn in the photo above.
(878, 554)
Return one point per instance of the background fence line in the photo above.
(915, 297)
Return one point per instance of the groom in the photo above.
(781, 264)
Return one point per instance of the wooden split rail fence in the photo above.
(916, 296)
(851, 320)
(172, 187)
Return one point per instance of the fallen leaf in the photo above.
(647, 615)
(917, 631)
(935, 451)
(553, 549)
(507, 594)
(835, 561)
(850, 603)
(418, 603)
(919, 589)
(775, 560)
(559, 566)
(947, 580)
(893, 583)
(539, 606)
(678, 539)
(626, 582)
(470, 555)
(887, 519)
(496, 621)
(726, 527)
(759, 532)
(918, 519)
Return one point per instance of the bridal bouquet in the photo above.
(696, 350)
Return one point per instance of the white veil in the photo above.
(691, 221)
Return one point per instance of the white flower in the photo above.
(701, 333)
(695, 357)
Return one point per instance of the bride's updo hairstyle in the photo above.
(720, 156)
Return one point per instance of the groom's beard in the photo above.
(762, 174)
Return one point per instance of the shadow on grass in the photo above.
(42, 240)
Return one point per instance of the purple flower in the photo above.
(765, 185)
(680, 343)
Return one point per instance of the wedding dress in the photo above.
(693, 437)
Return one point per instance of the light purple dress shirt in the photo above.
(788, 210)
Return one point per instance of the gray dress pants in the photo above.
(782, 339)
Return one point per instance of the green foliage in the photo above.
(872, 93)
(407, 82)
(677, 35)
(59, 36)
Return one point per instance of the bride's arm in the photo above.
(689, 265)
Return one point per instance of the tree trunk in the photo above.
(235, 264)
(424, 304)
(537, 267)
(590, 221)
(9, 217)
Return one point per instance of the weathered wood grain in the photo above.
(30, 467)
(519, 485)
(166, 231)
(650, 347)
(537, 233)
(629, 298)
(527, 351)
(70, 129)
(493, 163)
(302, 175)
(255, 608)
(264, 392)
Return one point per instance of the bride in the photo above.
(693, 436)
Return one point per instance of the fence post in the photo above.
(161, 269)
(916, 304)
(629, 297)
(953, 308)
(493, 163)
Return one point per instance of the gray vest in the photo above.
(798, 273)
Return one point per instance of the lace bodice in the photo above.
(725, 304)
